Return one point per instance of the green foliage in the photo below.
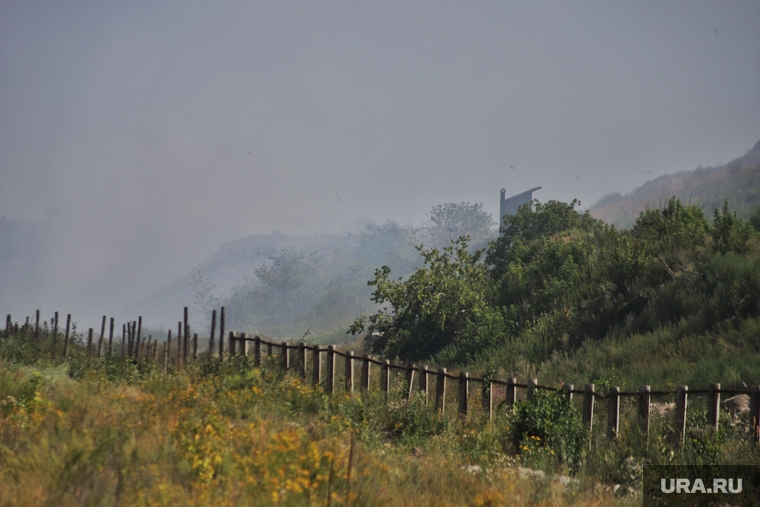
(729, 234)
(440, 305)
(547, 430)
(454, 220)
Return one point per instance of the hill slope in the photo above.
(738, 181)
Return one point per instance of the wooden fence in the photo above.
(321, 361)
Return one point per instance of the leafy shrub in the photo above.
(547, 431)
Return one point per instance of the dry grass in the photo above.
(240, 439)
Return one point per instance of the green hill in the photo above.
(707, 187)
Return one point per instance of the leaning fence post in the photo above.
(409, 380)
(211, 335)
(511, 392)
(588, 408)
(101, 340)
(385, 377)
(682, 396)
(424, 382)
(713, 406)
(613, 412)
(330, 381)
(440, 391)
(349, 372)
(285, 356)
(532, 383)
(645, 404)
(464, 384)
(568, 390)
(754, 416)
(66, 337)
(365, 373)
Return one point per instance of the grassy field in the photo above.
(111, 431)
(228, 434)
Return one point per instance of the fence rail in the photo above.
(323, 371)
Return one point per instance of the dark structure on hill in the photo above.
(509, 205)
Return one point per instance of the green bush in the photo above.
(548, 432)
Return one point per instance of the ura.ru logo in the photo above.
(698, 486)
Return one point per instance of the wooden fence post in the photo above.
(532, 383)
(8, 325)
(129, 339)
(195, 346)
(186, 327)
(55, 331)
(66, 337)
(123, 340)
(165, 356)
(37, 327)
(409, 380)
(588, 408)
(139, 333)
(168, 349)
(682, 397)
(350, 372)
(713, 406)
(285, 356)
(330, 380)
(613, 413)
(211, 336)
(257, 351)
(302, 361)
(440, 391)
(385, 377)
(464, 384)
(231, 343)
(242, 344)
(101, 340)
(511, 392)
(424, 382)
(110, 337)
(365, 373)
(89, 343)
(221, 333)
(754, 413)
(269, 349)
(645, 405)
(316, 366)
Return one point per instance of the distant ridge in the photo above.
(738, 182)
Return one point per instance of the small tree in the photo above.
(442, 304)
(454, 220)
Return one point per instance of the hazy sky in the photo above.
(156, 130)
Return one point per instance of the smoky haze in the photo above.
(139, 136)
